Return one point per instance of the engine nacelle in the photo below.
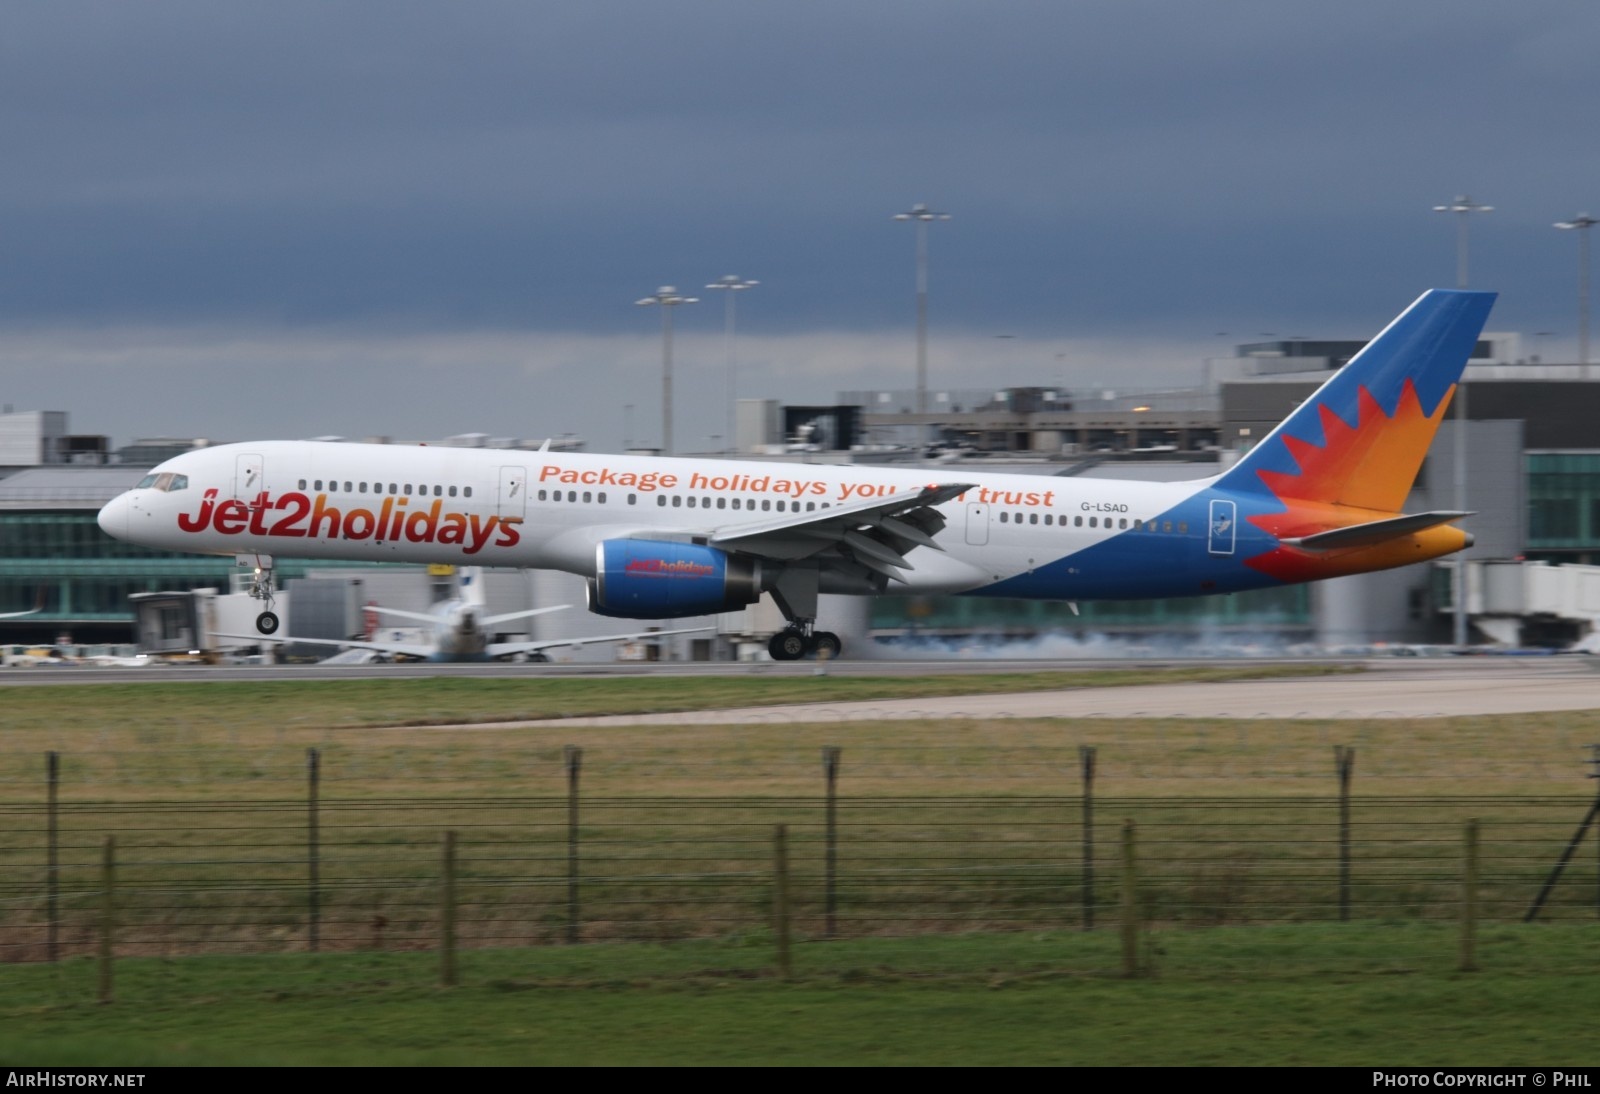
(661, 579)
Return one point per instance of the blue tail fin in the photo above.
(1360, 439)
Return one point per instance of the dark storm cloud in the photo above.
(1113, 167)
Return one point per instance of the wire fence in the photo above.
(401, 847)
(346, 873)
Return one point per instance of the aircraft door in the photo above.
(513, 492)
(1222, 532)
(249, 475)
(977, 524)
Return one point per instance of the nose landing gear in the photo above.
(261, 589)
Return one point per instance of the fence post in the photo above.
(52, 855)
(574, 763)
(1572, 845)
(780, 897)
(1130, 903)
(1469, 899)
(313, 849)
(1344, 760)
(108, 915)
(1086, 760)
(447, 913)
(830, 768)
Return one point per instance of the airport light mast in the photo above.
(922, 216)
(731, 285)
(1581, 224)
(1463, 207)
(666, 298)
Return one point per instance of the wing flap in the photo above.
(906, 517)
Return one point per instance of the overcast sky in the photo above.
(297, 219)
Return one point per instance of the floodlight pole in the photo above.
(1463, 207)
(921, 215)
(1581, 224)
(667, 298)
(732, 284)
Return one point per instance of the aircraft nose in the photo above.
(113, 519)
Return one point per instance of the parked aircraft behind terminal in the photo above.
(658, 537)
(459, 630)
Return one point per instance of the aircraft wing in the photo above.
(490, 620)
(407, 649)
(876, 534)
(507, 649)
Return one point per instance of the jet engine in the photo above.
(661, 579)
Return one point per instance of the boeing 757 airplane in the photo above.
(1321, 496)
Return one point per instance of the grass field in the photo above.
(1358, 995)
(951, 830)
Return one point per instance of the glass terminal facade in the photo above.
(1564, 506)
(60, 561)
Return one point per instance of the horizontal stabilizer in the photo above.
(1377, 531)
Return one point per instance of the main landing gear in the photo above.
(794, 642)
(795, 593)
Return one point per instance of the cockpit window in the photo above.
(166, 482)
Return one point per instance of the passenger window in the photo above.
(541, 494)
(1003, 516)
(438, 491)
(1122, 522)
(766, 505)
(302, 485)
(661, 499)
(1033, 518)
(1094, 522)
(722, 503)
(586, 497)
(572, 495)
(466, 491)
(408, 489)
(736, 503)
(1166, 526)
(1183, 527)
(1077, 522)
(601, 497)
(348, 488)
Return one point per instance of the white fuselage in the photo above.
(308, 499)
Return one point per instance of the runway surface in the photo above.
(1388, 690)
